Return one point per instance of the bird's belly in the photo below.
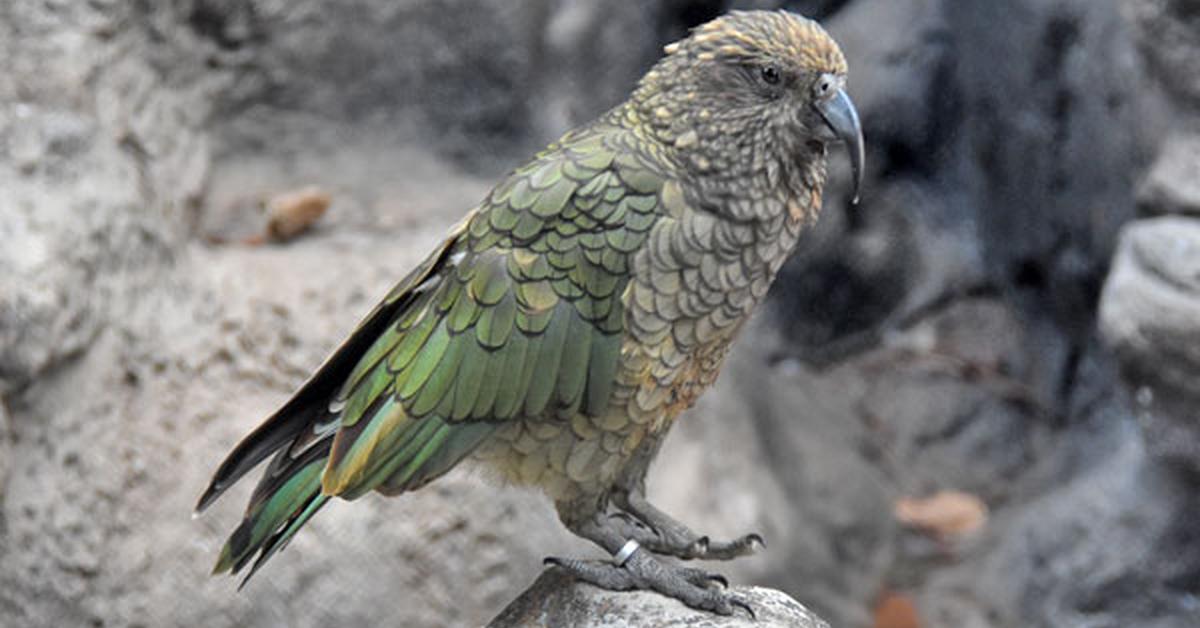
(584, 455)
(565, 458)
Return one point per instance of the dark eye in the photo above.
(770, 74)
(824, 85)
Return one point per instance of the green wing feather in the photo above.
(518, 314)
(523, 322)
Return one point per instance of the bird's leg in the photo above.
(662, 534)
(635, 569)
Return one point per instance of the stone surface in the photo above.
(1150, 314)
(1150, 311)
(555, 599)
(971, 188)
(101, 162)
(1172, 185)
(1127, 560)
(96, 511)
(5, 448)
(1169, 36)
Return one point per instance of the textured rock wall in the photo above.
(941, 336)
(101, 162)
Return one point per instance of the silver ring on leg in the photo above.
(627, 550)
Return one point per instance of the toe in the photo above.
(696, 549)
(702, 578)
(738, 602)
(626, 519)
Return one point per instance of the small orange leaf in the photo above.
(896, 610)
(944, 514)
(292, 213)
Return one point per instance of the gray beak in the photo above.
(841, 116)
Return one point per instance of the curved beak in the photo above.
(841, 116)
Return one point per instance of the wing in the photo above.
(523, 318)
(518, 313)
(300, 434)
(297, 424)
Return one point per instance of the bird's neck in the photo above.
(741, 168)
(750, 207)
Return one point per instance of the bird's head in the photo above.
(754, 96)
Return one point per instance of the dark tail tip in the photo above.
(210, 495)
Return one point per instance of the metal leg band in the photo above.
(627, 551)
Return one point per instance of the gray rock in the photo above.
(1067, 76)
(1150, 315)
(556, 599)
(96, 509)
(5, 448)
(1172, 186)
(1111, 546)
(968, 187)
(102, 159)
(1151, 303)
(1169, 37)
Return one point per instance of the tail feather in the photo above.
(307, 409)
(456, 445)
(290, 492)
(301, 437)
(283, 501)
(281, 429)
(392, 453)
(280, 539)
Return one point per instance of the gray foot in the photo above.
(641, 570)
(693, 587)
(662, 534)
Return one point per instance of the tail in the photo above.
(291, 490)
(284, 500)
(306, 414)
(301, 436)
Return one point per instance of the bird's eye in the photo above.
(770, 74)
(824, 85)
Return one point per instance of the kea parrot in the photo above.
(563, 325)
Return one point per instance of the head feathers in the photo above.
(761, 36)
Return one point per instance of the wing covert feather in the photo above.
(519, 316)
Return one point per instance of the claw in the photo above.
(744, 605)
(627, 518)
(699, 546)
(623, 516)
(719, 579)
(553, 561)
(755, 537)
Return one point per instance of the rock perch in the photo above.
(556, 599)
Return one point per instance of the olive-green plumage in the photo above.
(585, 303)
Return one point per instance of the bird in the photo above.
(562, 326)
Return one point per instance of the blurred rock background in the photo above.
(971, 402)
